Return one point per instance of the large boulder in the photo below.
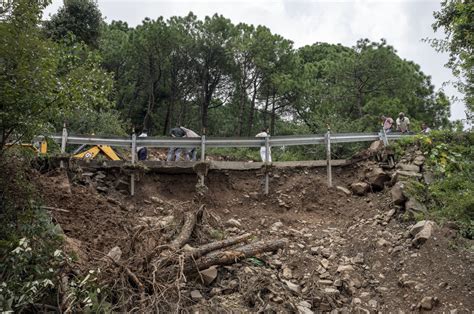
(408, 167)
(398, 195)
(360, 188)
(421, 232)
(377, 178)
(415, 207)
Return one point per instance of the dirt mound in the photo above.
(343, 252)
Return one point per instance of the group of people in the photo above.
(402, 124)
(174, 153)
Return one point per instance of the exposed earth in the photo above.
(343, 251)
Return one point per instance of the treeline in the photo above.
(210, 75)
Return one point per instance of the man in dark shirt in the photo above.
(174, 153)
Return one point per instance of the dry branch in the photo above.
(204, 249)
(233, 256)
(190, 219)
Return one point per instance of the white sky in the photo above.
(403, 23)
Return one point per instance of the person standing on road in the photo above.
(387, 123)
(403, 123)
(174, 153)
(263, 149)
(142, 152)
(425, 128)
(190, 152)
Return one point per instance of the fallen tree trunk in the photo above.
(233, 256)
(204, 249)
(190, 219)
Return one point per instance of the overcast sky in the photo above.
(403, 23)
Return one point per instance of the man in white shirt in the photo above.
(403, 123)
(263, 149)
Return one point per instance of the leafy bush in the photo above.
(450, 157)
(31, 259)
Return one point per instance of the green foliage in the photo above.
(456, 18)
(450, 156)
(79, 18)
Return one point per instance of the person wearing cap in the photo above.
(263, 149)
(387, 123)
(174, 153)
(403, 123)
(190, 152)
(142, 152)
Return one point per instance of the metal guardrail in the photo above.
(275, 141)
(313, 139)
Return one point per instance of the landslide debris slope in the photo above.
(340, 250)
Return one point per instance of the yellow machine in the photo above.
(42, 149)
(92, 152)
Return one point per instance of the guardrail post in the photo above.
(203, 147)
(267, 157)
(63, 144)
(384, 137)
(134, 152)
(203, 157)
(328, 156)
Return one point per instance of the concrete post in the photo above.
(63, 144)
(328, 156)
(267, 157)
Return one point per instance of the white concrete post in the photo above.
(328, 156)
(267, 155)
(63, 144)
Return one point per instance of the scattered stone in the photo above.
(254, 195)
(304, 310)
(277, 225)
(287, 273)
(325, 282)
(196, 295)
(373, 304)
(326, 252)
(325, 263)
(427, 303)
(428, 177)
(356, 301)
(382, 242)
(208, 275)
(293, 287)
(344, 190)
(331, 291)
(345, 268)
(376, 146)
(358, 259)
(115, 253)
(360, 188)
(315, 250)
(233, 223)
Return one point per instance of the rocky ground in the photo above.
(347, 248)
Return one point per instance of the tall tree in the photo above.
(456, 18)
(81, 18)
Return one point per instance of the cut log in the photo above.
(190, 219)
(233, 256)
(204, 249)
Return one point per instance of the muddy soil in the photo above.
(344, 252)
